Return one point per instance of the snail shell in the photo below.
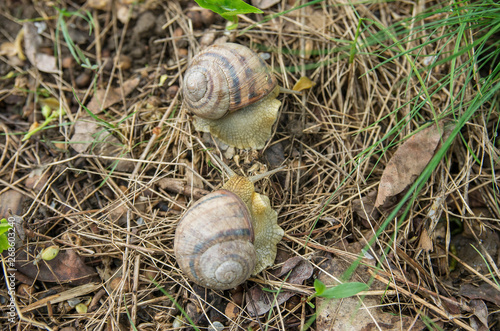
(224, 78)
(227, 235)
(214, 241)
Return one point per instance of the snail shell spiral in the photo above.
(214, 241)
(224, 78)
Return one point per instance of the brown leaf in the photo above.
(98, 103)
(425, 241)
(483, 292)
(90, 137)
(11, 202)
(465, 249)
(408, 162)
(299, 270)
(275, 154)
(365, 209)
(83, 137)
(481, 312)
(32, 42)
(66, 267)
(232, 311)
(37, 179)
(347, 314)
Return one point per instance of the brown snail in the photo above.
(232, 93)
(228, 235)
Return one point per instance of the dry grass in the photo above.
(334, 141)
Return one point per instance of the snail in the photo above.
(232, 93)
(228, 235)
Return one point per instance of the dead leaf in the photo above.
(425, 241)
(66, 267)
(83, 137)
(484, 292)
(299, 269)
(408, 162)
(90, 137)
(481, 312)
(303, 83)
(11, 202)
(275, 154)
(466, 251)
(365, 209)
(32, 42)
(118, 213)
(348, 314)
(315, 19)
(98, 103)
(232, 311)
(123, 13)
(37, 179)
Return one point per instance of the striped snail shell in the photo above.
(228, 235)
(224, 78)
(214, 241)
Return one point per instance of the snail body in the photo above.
(232, 93)
(227, 236)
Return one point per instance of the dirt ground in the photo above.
(390, 168)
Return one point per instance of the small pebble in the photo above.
(183, 52)
(25, 290)
(145, 24)
(172, 91)
(179, 40)
(216, 326)
(115, 284)
(207, 38)
(99, 4)
(107, 64)
(73, 302)
(162, 206)
(67, 62)
(196, 19)
(137, 53)
(207, 17)
(124, 62)
(83, 80)
(265, 56)
(178, 322)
